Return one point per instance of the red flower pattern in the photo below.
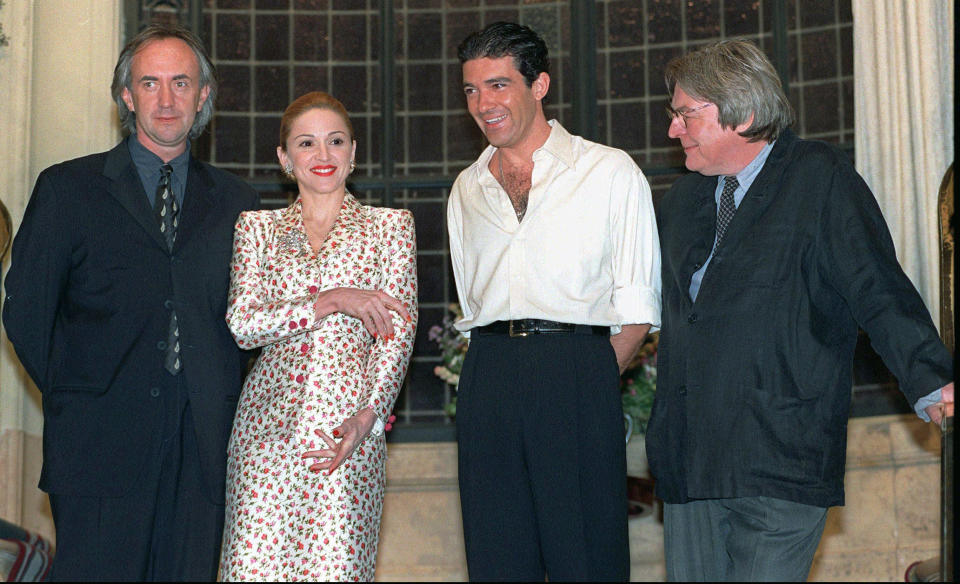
(284, 522)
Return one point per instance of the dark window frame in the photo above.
(389, 186)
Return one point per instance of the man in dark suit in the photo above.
(115, 305)
(774, 251)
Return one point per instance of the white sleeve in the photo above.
(636, 249)
(455, 233)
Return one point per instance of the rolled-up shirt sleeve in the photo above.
(585, 252)
(455, 234)
(636, 250)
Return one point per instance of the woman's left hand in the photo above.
(351, 433)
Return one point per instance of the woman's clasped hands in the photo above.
(372, 307)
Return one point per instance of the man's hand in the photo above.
(627, 343)
(943, 409)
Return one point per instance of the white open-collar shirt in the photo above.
(586, 252)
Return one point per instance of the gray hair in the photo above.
(122, 73)
(738, 78)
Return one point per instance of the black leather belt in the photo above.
(534, 326)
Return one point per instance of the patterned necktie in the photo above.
(727, 207)
(165, 206)
(165, 209)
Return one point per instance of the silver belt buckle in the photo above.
(517, 334)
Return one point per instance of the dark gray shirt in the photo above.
(148, 167)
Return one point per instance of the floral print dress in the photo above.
(284, 522)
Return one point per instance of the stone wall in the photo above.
(892, 515)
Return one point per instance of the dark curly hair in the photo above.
(508, 39)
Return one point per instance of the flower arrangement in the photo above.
(453, 348)
(637, 384)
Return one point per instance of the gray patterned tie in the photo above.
(727, 207)
(165, 209)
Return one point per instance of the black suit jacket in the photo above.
(89, 294)
(754, 378)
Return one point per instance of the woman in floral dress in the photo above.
(327, 287)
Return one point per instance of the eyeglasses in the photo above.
(683, 116)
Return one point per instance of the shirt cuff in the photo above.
(926, 401)
(638, 305)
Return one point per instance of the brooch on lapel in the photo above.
(293, 241)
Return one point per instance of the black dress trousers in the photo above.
(166, 529)
(542, 461)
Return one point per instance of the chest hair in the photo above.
(516, 181)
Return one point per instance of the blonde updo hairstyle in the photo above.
(307, 102)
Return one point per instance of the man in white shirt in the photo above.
(555, 251)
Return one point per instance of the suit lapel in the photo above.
(292, 238)
(127, 189)
(200, 197)
(343, 234)
(761, 193)
(755, 202)
(703, 227)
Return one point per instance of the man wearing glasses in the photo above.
(773, 252)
